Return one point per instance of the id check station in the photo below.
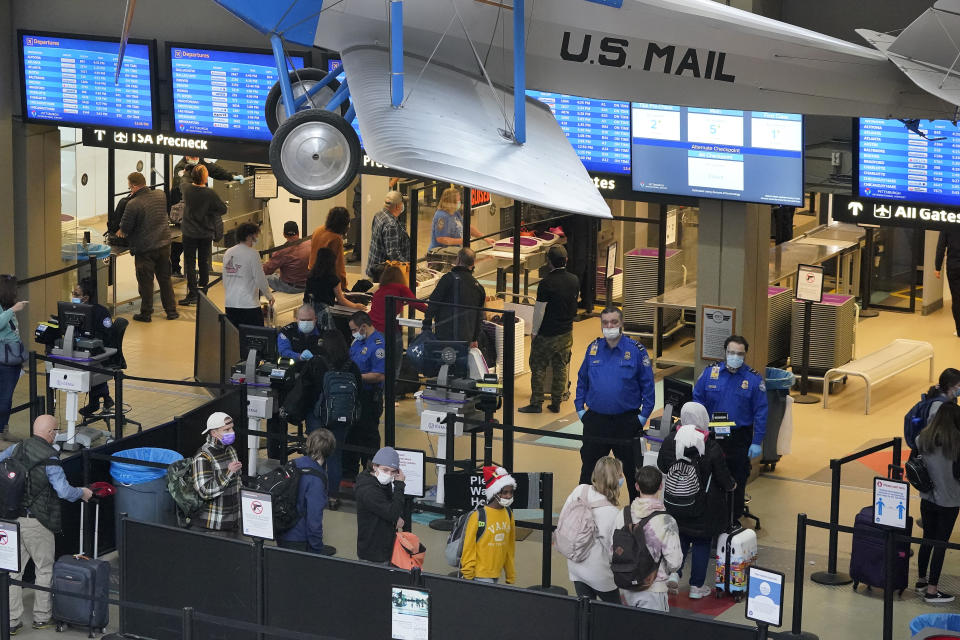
(782, 175)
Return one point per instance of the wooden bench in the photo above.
(896, 357)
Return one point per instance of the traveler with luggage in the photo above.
(39, 516)
(307, 533)
(216, 477)
(939, 444)
(696, 486)
(585, 528)
(646, 545)
(921, 414)
(488, 551)
(379, 506)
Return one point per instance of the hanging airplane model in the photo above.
(439, 85)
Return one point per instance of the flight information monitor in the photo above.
(220, 92)
(599, 130)
(70, 80)
(897, 164)
(753, 156)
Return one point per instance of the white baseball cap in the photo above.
(218, 419)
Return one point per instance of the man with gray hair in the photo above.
(388, 238)
(300, 339)
(458, 287)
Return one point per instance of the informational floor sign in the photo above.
(891, 502)
(809, 283)
(765, 596)
(256, 510)
(264, 184)
(716, 325)
(10, 546)
(409, 613)
(611, 260)
(413, 464)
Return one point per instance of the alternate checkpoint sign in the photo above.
(891, 502)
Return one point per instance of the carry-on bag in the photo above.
(867, 563)
(86, 577)
(736, 552)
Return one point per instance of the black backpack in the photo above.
(283, 484)
(14, 474)
(340, 392)
(917, 473)
(634, 567)
(917, 418)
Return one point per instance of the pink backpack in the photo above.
(576, 529)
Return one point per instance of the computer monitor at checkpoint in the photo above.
(257, 345)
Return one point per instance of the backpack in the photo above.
(917, 418)
(14, 474)
(454, 549)
(917, 473)
(181, 488)
(176, 212)
(684, 494)
(283, 484)
(339, 399)
(576, 529)
(634, 567)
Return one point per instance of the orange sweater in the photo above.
(333, 241)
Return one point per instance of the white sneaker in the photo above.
(673, 582)
(697, 593)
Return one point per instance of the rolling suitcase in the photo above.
(867, 564)
(86, 577)
(736, 552)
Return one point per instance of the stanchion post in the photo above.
(804, 397)
(186, 629)
(507, 377)
(446, 523)
(94, 280)
(389, 380)
(830, 576)
(118, 392)
(897, 457)
(801, 558)
(889, 556)
(32, 383)
(261, 614)
(5, 605)
(546, 568)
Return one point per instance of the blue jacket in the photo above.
(369, 355)
(311, 501)
(617, 380)
(741, 394)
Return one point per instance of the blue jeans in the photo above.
(9, 374)
(335, 461)
(699, 560)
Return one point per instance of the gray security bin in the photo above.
(778, 383)
(142, 491)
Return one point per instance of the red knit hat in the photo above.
(495, 479)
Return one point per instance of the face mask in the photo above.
(734, 362)
(383, 477)
(357, 335)
(306, 326)
(611, 333)
(228, 438)
(76, 300)
(505, 502)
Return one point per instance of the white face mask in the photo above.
(306, 326)
(383, 477)
(611, 333)
(357, 335)
(505, 502)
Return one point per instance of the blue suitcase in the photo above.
(86, 577)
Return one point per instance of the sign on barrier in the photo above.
(412, 463)
(256, 510)
(765, 596)
(891, 502)
(409, 613)
(10, 546)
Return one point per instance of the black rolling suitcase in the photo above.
(867, 563)
(84, 576)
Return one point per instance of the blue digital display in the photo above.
(222, 93)
(599, 130)
(897, 164)
(752, 156)
(71, 80)
(333, 65)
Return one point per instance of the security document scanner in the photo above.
(78, 346)
(676, 393)
(260, 371)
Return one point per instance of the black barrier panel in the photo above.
(334, 597)
(176, 568)
(467, 610)
(619, 621)
(206, 359)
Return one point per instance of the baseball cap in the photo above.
(393, 198)
(290, 228)
(216, 420)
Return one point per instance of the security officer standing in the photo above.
(615, 396)
(735, 389)
(300, 340)
(369, 354)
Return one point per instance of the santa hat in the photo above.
(495, 479)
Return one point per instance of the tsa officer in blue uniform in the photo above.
(735, 389)
(300, 340)
(368, 351)
(615, 396)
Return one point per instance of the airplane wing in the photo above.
(295, 19)
(449, 129)
(927, 51)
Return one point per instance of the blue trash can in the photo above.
(940, 621)
(142, 491)
(778, 383)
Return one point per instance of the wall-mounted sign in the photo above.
(176, 144)
(479, 198)
(884, 213)
(716, 325)
(264, 184)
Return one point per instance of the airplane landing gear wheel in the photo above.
(315, 154)
(301, 82)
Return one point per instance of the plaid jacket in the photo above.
(388, 241)
(217, 486)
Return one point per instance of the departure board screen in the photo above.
(599, 130)
(751, 156)
(71, 81)
(222, 93)
(897, 164)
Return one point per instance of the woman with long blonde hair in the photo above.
(447, 228)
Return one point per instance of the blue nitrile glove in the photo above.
(643, 420)
(581, 412)
(239, 179)
(306, 355)
(755, 451)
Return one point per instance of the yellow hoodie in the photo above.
(493, 552)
